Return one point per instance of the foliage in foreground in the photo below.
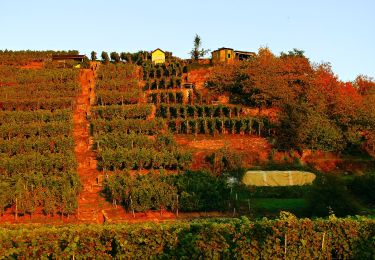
(284, 238)
(188, 191)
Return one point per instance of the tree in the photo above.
(115, 57)
(196, 52)
(123, 56)
(93, 56)
(365, 85)
(294, 53)
(105, 57)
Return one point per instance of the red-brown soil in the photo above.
(199, 76)
(271, 113)
(252, 149)
(33, 65)
(7, 84)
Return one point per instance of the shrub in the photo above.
(141, 193)
(200, 191)
(329, 195)
(363, 187)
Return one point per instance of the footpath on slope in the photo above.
(92, 206)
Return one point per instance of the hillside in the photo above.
(128, 140)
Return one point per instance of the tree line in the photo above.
(317, 110)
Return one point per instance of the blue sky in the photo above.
(341, 32)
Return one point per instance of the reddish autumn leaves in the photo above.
(313, 92)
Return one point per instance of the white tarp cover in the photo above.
(277, 178)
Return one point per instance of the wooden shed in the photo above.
(63, 58)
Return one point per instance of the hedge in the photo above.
(284, 238)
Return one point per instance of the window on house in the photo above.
(228, 55)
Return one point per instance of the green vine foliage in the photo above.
(140, 111)
(187, 191)
(37, 161)
(141, 193)
(284, 238)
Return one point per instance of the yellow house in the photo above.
(223, 55)
(158, 56)
(228, 55)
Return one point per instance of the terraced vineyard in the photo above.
(133, 123)
(37, 162)
(126, 134)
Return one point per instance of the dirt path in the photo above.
(92, 206)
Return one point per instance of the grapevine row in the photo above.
(41, 129)
(25, 117)
(139, 111)
(56, 144)
(194, 111)
(139, 126)
(31, 104)
(142, 158)
(283, 238)
(219, 126)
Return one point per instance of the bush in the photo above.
(200, 191)
(329, 195)
(141, 193)
(363, 188)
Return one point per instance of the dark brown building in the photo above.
(68, 57)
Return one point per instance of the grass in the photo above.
(271, 207)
